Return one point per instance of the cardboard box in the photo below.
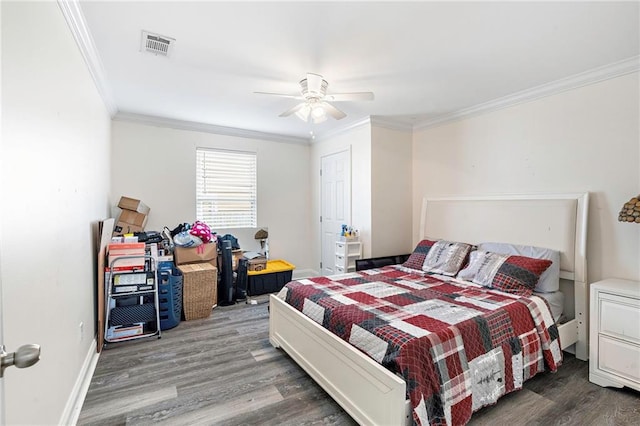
(236, 255)
(129, 249)
(116, 251)
(127, 203)
(133, 218)
(123, 332)
(199, 290)
(257, 264)
(122, 228)
(203, 253)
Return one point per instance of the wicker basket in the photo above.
(200, 288)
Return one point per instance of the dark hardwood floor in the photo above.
(223, 371)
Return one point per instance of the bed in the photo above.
(372, 394)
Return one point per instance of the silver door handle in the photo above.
(24, 357)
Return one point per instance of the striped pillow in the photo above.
(416, 259)
(511, 274)
(438, 257)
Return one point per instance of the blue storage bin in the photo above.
(165, 265)
(169, 297)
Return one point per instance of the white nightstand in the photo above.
(614, 352)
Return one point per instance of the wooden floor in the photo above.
(223, 371)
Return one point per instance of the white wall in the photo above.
(586, 139)
(358, 141)
(391, 199)
(380, 187)
(157, 166)
(55, 183)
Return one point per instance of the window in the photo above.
(226, 188)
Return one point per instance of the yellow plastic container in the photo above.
(277, 265)
(271, 279)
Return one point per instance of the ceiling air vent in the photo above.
(156, 44)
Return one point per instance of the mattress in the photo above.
(556, 303)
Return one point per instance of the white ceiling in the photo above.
(423, 60)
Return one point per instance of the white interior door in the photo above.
(2, 421)
(22, 357)
(335, 204)
(2, 410)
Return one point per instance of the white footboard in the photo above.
(370, 393)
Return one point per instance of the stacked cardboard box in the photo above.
(123, 252)
(133, 217)
(257, 264)
(203, 253)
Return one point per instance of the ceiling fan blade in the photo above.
(282, 95)
(355, 96)
(293, 110)
(333, 111)
(314, 83)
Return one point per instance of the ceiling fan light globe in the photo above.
(315, 120)
(318, 112)
(303, 113)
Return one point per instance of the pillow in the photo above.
(416, 259)
(550, 279)
(438, 257)
(511, 274)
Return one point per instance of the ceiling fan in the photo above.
(315, 106)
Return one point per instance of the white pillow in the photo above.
(482, 268)
(446, 257)
(550, 279)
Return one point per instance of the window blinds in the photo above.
(226, 188)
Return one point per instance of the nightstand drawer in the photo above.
(620, 317)
(340, 261)
(619, 358)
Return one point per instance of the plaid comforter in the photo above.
(458, 347)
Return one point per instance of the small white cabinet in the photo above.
(347, 252)
(614, 352)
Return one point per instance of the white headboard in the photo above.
(557, 221)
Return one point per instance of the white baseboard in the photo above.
(304, 273)
(79, 392)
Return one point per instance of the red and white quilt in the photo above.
(458, 347)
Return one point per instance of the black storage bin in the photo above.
(169, 297)
(268, 283)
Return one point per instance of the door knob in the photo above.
(24, 357)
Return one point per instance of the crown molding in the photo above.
(595, 75)
(206, 128)
(391, 123)
(78, 26)
(378, 121)
(333, 133)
